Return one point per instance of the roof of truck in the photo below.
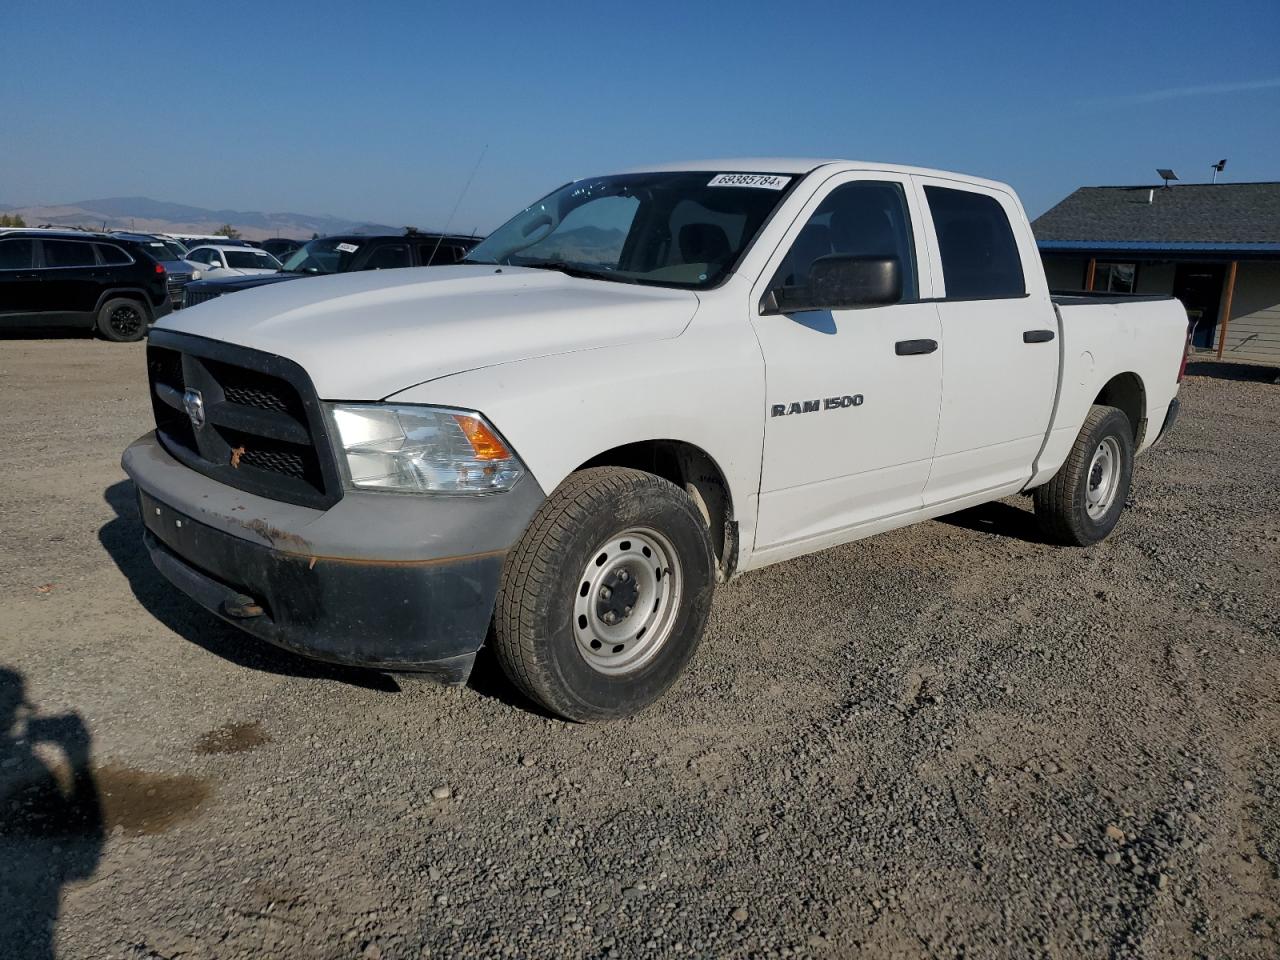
(803, 165)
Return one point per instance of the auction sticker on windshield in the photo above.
(348, 247)
(765, 181)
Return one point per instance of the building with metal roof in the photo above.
(1215, 246)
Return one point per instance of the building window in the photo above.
(1116, 277)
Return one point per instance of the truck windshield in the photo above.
(326, 255)
(667, 229)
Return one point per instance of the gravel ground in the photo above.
(951, 740)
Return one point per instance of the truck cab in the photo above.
(641, 385)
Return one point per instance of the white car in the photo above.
(641, 386)
(222, 261)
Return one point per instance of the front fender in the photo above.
(558, 412)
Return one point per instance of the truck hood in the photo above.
(365, 336)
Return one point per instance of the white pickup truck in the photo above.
(640, 386)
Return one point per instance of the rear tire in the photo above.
(122, 320)
(1083, 502)
(604, 599)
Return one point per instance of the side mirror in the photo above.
(840, 282)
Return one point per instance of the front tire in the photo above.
(1083, 502)
(122, 320)
(604, 599)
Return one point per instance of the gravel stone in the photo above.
(863, 748)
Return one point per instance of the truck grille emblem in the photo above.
(193, 403)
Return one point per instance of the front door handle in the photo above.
(1037, 336)
(910, 348)
(27, 276)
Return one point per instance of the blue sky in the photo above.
(379, 110)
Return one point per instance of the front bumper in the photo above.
(395, 582)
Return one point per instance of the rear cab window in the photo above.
(980, 259)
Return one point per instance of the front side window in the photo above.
(442, 254)
(68, 253)
(676, 229)
(249, 259)
(866, 218)
(199, 255)
(17, 254)
(388, 257)
(980, 258)
(1116, 277)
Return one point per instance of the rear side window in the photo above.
(979, 255)
(17, 254)
(68, 253)
(112, 254)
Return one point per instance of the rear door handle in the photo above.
(27, 276)
(909, 348)
(1037, 336)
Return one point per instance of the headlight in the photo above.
(417, 449)
(196, 274)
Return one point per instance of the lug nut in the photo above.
(605, 593)
(626, 611)
(622, 575)
(610, 618)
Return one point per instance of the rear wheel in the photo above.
(605, 597)
(1083, 502)
(122, 320)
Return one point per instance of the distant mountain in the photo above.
(587, 244)
(158, 216)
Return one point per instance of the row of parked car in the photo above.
(119, 283)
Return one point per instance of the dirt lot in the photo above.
(952, 740)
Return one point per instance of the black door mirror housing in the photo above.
(840, 282)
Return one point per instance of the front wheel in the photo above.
(1082, 503)
(122, 320)
(604, 599)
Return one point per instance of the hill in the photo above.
(159, 216)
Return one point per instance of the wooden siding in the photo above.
(1254, 331)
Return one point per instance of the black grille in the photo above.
(287, 462)
(261, 431)
(191, 297)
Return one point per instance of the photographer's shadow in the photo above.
(122, 539)
(51, 825)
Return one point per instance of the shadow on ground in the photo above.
(122, 539)
(1000, 519)
(1248, 372)
(51, 824)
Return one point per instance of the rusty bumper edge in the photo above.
(427, 617)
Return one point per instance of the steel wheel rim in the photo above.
(1103, 480)
(635, 577)
(125, 321)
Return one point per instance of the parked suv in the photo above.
(76, 279)
(171, 255)
(345, 254)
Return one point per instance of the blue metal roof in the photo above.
(1139, 246)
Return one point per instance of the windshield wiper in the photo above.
(574, 270)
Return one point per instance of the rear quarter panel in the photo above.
(1103, 340)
